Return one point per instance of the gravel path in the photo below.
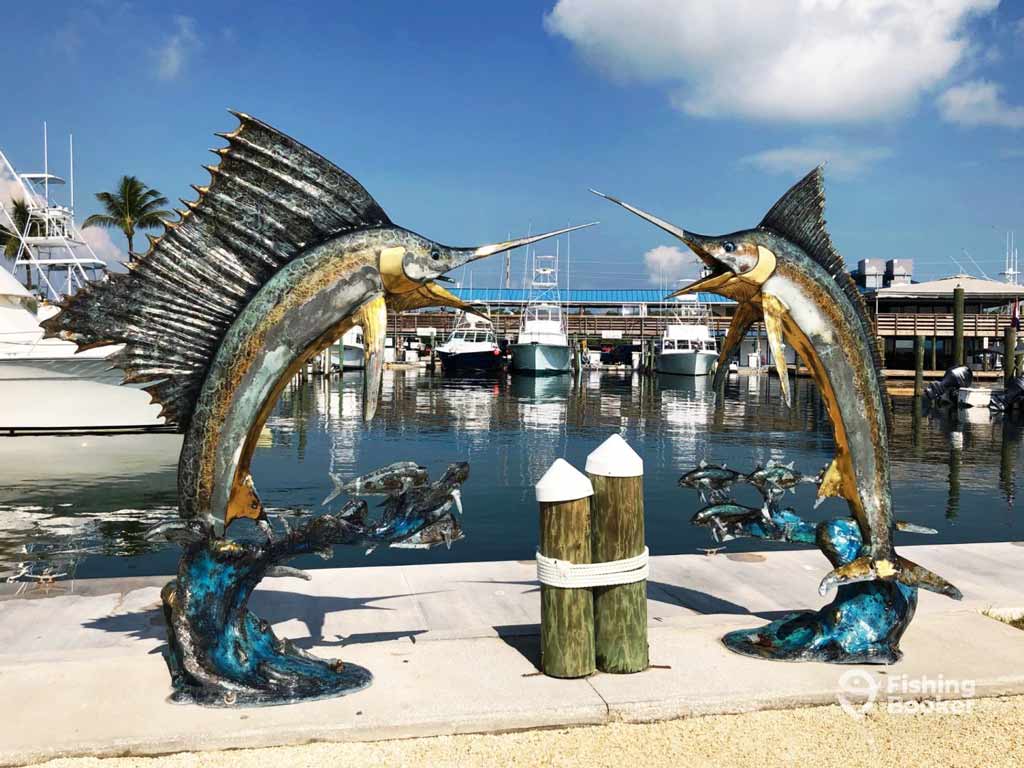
(991, 734)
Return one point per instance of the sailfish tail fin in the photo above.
(903, 570)
(268, 200)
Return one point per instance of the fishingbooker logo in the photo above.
(861, 692)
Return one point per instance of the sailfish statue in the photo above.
(786, 273)
(279, 256)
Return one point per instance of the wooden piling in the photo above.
(958, 326)
(918, 366)
(566, 615)
(620, 611)
(935, 353)
(1009, 352)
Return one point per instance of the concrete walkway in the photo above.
(454, 650)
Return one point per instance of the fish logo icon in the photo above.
(858, 691)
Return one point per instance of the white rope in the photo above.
(561, 573)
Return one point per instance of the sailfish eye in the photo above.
(729, 246)
(435, 255)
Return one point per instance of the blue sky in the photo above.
(467, 121)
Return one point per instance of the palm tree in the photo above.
(132, 206)
(10, 241)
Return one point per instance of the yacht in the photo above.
(472, 346)
(542, 345)
(686, 347)
(351, 347)
(46, 385)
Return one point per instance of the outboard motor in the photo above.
(1008, 398)
(955, 378)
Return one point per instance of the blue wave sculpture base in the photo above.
(862, 625)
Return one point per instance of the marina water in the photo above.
(80, 505)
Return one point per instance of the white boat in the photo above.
(46, 386)
(542, 345)
(687, 347)
(472, 346)
(352, 351)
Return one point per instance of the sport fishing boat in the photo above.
(543, 344)
(45, 386)
(472, 346)
(686, 347)
(351, 345)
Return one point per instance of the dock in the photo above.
(455, 649)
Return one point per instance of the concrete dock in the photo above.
(454, 649)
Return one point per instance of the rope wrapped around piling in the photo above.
(561, 573)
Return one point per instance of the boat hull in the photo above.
(352, 358)
(540, 358)
(688, 363)
(484, 360)
(73, 394)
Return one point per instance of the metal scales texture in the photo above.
(280, 255)
(786, 273)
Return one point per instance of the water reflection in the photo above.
(82, 508)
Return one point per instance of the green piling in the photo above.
(566, 615)
(958, 326)
(918, 366)
(620, 611)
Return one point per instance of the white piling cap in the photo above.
(563, 482)
(614, 458)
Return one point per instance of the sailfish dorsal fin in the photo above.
(799, 216)
(270, 198)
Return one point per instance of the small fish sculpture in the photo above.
(786, 272)
(710, 479)
(405, 513)
(774, 479)
(395, 478)
(729, 520)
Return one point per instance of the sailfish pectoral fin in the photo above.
(903, 571)
(774, 313)
(746, 315)
(373, 317)
(429, 294)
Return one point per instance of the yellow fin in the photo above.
(373, 317)
(746, 315)
(831, 483)
(244, 502)
(774, 313)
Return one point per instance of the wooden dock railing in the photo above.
(907, 325)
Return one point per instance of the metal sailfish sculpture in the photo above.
(279, 256)
(786, 273)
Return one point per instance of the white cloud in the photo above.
(103, 246)
(668, 264)
(172, 58)
(788, 60)
(979, 102)
(843, 162)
